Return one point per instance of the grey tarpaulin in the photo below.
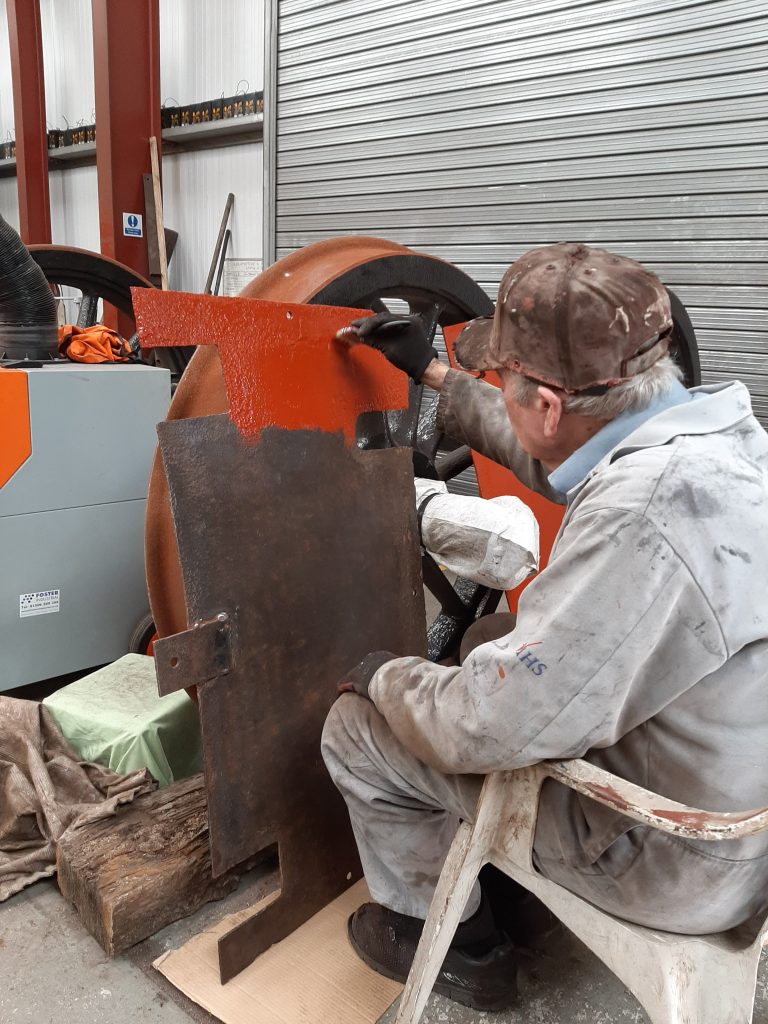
(45, 790)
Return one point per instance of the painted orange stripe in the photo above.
(15, 430)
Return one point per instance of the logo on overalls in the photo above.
(531, 662)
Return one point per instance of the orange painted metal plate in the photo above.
(494, 480)
(294, 278)
(282, 365)
(15, 427)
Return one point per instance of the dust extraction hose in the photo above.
(28, 327)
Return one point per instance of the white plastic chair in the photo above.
(678, 979)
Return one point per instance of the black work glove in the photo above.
(358, 679)
(402, 339)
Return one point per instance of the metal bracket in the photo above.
(195, 656)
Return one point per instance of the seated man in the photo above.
(642, 646)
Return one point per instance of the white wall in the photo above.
(6, 88)
(75, 207)
(68, 62)
(9, 199)
(69, 100)
(195, 188)
(210, 49)
(207, 48)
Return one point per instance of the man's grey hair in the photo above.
(636, 393)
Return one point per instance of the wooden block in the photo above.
(133, 874)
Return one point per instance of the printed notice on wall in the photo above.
(42, 602)
(237, 274)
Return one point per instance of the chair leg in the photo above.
(708, 987)
(461, 869)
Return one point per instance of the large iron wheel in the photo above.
(683, 347)
(93, 275)
(359, 273)
(97, 278)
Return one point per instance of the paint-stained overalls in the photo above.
(642, 647)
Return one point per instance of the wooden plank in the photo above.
(158, 212)
(131, 875)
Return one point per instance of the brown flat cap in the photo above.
(572, 317)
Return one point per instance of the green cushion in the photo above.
(115, 717)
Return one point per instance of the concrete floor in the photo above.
(51, 971)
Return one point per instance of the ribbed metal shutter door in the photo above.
(475, 130)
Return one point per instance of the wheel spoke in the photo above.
(431, 318)
(89, 311)
(418, 395)
(428, 437)
(453, 464)
(378, 306)
(402, 424)
(100, 278)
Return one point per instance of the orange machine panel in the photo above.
(493, 480)
(15, 429)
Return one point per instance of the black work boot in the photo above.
(518, 913)
(479, 970)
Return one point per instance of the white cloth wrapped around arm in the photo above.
(494, 542)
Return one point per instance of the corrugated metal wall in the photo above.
(474, 129)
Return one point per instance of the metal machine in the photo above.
(77, 448)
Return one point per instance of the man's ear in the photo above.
(551, 404)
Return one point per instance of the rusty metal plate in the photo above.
(311, 550)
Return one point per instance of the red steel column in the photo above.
(126, 54)
(26, 39)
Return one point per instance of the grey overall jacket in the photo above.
(642, 647)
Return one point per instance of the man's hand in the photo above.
(402, 339)
(358, 679)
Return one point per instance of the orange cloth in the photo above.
(97, 344)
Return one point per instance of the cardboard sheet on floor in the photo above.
(312, 976)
